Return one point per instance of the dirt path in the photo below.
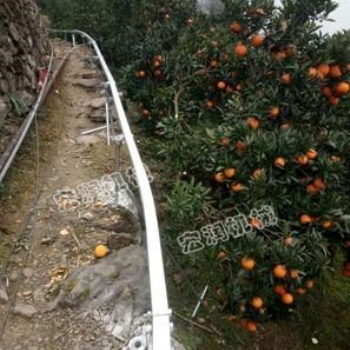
(61, 232)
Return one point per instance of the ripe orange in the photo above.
(258, 40)
(274, 111)
(257, 302)
(236, 27)
(210, 104)
(251, 326)
(219, 177)
(286, 78)
(312, 189)
(312, 72)
(241, 50)
(101, 251)
(247, 263)
(280, 271)
(342, 88)
(288, 241)
(319, 184)
(287, 298)
(294, 273)
(300, 291)
(323, 69)
(327, 91)
(327, 224)
(333, 100)
(142, 74)
(335, 72)
(311, 154)
(257, 174)
(221, 255)
(302, 159)
(280, 162)
(214, 63)
(221, 85)
(240, 146)
(279, 56)
(305, 219)
(230, 172)
(225, 141)
(280, 290)
(310, 284)
(156, 64)
(256, 224)
(253, 122)
(236, 187)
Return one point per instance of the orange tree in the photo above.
(254, 103)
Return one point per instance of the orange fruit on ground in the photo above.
(312, 72)
(257, 174)
(342, 88)
(210, 104)
(225, 141)
(335, 72)
(327, 91)
(236, 27)
(255, 223)
(287, 298)
(241, 50)
(286, 78)
(238, 87)
(280, 290)
(310, 284)
(258, 40)
(294, 273)
(300, 291)
(236, 187)
(247, 263)
(311, 154)
(158, 57)
(230, 172)
(324, 69)
(327, 224)
(219, 177)
(334, 100)
(142, 74)
(288, 241)
(280, 162)
(253, 122)
(101, 251)
(305, 219)
(251, 326)
(221, 85)
(312, 189)
(274, 111)
(302, 159)
(257, 302)
(156, 64)
(146, 112)
(280, 271)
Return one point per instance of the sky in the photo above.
(341, 17)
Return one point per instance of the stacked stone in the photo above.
(23, 49)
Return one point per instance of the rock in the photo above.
(28, 272)
(3, 295)
(98, 103)
(117, 241)
(27, 311)
(88, 216)
(88, 83)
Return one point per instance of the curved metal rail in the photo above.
(161, 324)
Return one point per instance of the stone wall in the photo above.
(23, 49)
